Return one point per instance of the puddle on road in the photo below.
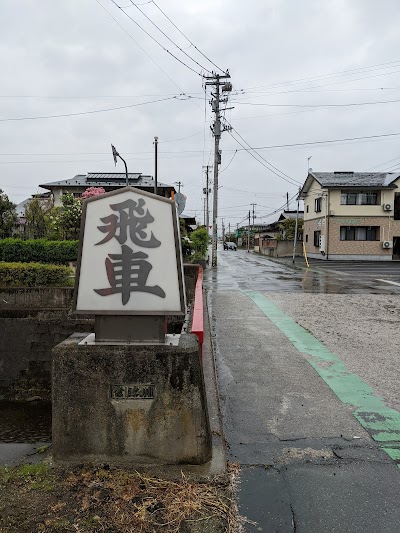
(25, 422)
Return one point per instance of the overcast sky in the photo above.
(71, 57)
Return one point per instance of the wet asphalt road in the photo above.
(307, 463)
(241, 270)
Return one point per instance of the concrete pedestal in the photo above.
(129, 404)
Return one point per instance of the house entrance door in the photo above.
(396, 248)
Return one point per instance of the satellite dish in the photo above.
(180, 200)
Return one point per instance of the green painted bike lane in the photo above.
(381, 422)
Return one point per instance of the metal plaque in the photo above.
(133, 391)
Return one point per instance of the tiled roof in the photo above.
(354, 179)
(105, 179)
(375, 180)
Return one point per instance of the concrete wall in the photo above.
(33, 321)
(275, 248)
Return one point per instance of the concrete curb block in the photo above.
(218, 461)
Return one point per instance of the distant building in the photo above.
(20, 225)
(352, 215)
(266, 241)
(108, 180)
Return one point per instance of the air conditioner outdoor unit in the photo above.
(387, 207)
(387, 244)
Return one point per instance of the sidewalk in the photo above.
(308, 465)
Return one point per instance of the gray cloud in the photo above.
(75, 49)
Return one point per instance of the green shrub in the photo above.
(199, 237)
(35, 275)
(38, 251)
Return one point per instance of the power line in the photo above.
(350, 81)
(154, 39)
(165, 35)
(315, 89)
(221, 171)
(250, 152)
(346, 139)
(316, 105)
(279, 208)
(144, 51)
(270, 166)
(187, 38)
(86, 112)
(263, 158)
(138, 45)
(334, 74)
(93, 97)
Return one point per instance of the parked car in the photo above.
(229, 246)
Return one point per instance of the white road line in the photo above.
(387, 281)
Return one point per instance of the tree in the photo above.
(92, 191)
(199, 237)
(287, 228)
(37, 222)
(8, 216)
(65, 220)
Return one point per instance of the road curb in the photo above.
(218, 461)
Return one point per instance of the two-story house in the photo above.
(352, 215)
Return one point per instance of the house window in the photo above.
(359, 233)
(317, 238)
(307, 209)
(318, 204)
(307, 238)
(359, 198)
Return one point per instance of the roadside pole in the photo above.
(248, 235)
(296, 228)
(155, 164)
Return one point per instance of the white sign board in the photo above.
(130, 259)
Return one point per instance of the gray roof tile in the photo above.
(105, 179)
(354, 179)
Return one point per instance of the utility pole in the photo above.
(253, 205)
(223, 231)
(207, 191)
(287, 201)
(296, 228)
(217, 129)
(180, 184)
(155, 163)
(204, 212)
(229, 229)
(252, 227)
(248, 235)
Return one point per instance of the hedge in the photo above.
(38, 251)
(35, 275)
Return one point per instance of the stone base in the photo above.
(129, 404)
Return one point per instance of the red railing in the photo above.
(197, 322)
